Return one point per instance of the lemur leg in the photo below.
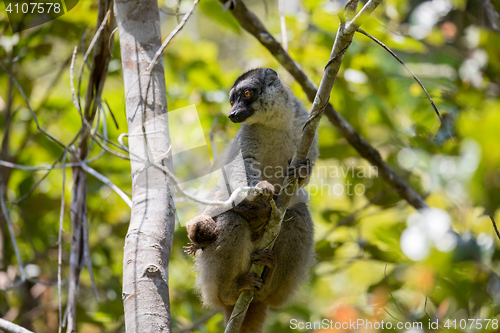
(224, 263)
(295, 248)
(254, 318)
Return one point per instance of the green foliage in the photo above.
(363, 269)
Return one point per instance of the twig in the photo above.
(390, 292)
(80, 251)
(214, 153)
(32, 168)
(9, 327)
(59, 241)
(404, 65)
(390, 314)
(111, 113)
(251, 23)
(11, 232)
(495, 226)
(351, 217)
(227, 203)
(92, 133)
(27, 194)
(87, 54)
(200, 321)
(50, 136)
(172, 35)
(284, 36)
(108, 182)
(166, 12)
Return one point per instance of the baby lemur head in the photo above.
(260, 97)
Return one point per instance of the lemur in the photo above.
(271, 120)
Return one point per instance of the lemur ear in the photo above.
(270, 75)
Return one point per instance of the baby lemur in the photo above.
(272, 119)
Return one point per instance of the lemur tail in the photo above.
(254, 319)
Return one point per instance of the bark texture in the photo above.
(149, 238)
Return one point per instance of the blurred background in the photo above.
(377, 258)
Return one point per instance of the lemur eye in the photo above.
(247, 93)
(232, 103)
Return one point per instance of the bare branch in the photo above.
(227, 203)
(27, 194)
(172, 35)
(284, 36)
(495, 226)
(59, 241)
(349, 219)
(390, 292)
(87, 54)
(50, 136)
(11, 232)
(108, 182)
(404, 65)
(80, 250)
(147, 163)
(200, 321)
(9, 327)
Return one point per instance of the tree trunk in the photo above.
(149, 238)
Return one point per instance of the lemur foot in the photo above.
(264, 257)
(256, 208)
(202, 230)
(250, 281)
(266, 187)
(302, 169)
(191, 248)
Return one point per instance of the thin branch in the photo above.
(11, 232)
(351, 217)
(76, 102)
(404, 65)
(108, 182)
(87, 53)
(27, 194)
(166, 12)
(172, 35)
(59, 241)
(33, 168)
(214, 153)
(390, 314)
(251, 23)
(284, 36)
(495, 226)
(227, 203)
(50, 136)
(148, 163)
(9, 327)
(200, 321)
(390, 292)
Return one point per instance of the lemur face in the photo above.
(249, 95)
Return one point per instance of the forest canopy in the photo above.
(378, 257)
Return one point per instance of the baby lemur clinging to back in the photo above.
(272, 119)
